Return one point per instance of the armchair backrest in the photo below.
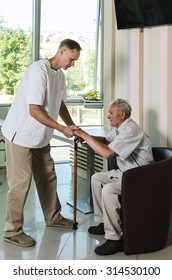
(161, 153)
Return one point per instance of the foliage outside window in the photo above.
(15, 45)
(15, 56)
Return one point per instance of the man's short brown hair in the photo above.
(70, 44)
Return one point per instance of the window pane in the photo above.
(15, 44)
(75, 20)
(85, 117)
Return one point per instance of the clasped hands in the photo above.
(78, 132)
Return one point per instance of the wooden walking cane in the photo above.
(75, 224)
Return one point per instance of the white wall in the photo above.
(138, 66)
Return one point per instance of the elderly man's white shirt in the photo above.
(132, 145)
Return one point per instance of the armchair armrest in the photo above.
(112, 164)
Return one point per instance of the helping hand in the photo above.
(69, 130)
(78, 138)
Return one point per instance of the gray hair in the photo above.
(123, 105)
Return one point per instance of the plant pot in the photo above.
(93, 104)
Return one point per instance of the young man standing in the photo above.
(28, 129)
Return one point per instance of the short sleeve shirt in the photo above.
(40, 85)
(131, 144)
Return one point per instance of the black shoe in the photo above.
(99, 230)
(109, 247)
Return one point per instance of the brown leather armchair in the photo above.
(146, 203)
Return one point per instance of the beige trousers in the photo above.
(21, 163)
(106, 189)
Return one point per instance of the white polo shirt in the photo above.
(40, 85)
(131, 144)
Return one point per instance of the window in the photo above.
(75, 20)
(53, 20)
(15, 45)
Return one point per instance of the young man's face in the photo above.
(68, 57)
(116, 116)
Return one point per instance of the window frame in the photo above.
(36, 27)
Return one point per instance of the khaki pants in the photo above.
(21, 164)
(106, 188)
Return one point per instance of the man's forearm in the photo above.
(98, 147)
(101, 139)
(64, 114)
(37, 113)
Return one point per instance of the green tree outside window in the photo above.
(15, 56)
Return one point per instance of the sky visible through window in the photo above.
(14, 16)
(77, 15)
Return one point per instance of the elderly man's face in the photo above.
(116, 116)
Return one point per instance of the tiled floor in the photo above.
(52, 243)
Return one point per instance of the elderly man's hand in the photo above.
(78, 135)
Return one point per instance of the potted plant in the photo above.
(92, 99)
